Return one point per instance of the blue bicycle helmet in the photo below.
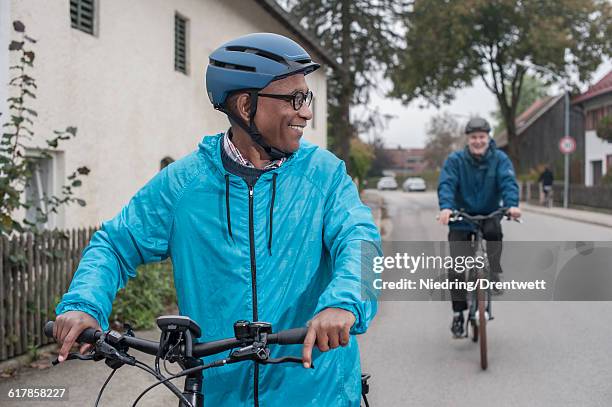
(250, 63)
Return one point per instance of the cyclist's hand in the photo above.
(329, 329)
(444, 216)
(514, 212)
(67, 328)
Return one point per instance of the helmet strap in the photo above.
(272, 152)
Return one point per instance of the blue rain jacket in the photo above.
(306, 258)
(477, 187)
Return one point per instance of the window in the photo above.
(180, 44)
(48, 176)
(596, 167)
(83, 15)
(38, 189)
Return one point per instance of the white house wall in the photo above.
(594, 149)
(5, 17)
(120, 89)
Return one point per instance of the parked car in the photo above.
(386, 183)
(414, 184)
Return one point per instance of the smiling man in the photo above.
(478, 180)
(260, 225)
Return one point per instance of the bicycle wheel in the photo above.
(482, 328)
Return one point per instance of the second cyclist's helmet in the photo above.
(252, 62)
(477, 124)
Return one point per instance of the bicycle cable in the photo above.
(163, 380)
(104, 386)
(169, 351)
(182, 373)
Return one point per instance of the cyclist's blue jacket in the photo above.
(477, 187)
(306, 257)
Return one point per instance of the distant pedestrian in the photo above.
(546, 180)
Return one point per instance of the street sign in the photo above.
(567, 145)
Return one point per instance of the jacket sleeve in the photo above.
(352, 238)
(506, 180)
(138, 234)
(447, 184)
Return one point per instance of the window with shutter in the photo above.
(83, 15)
(180, 43)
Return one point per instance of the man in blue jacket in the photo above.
(259, 225)
(478, 180)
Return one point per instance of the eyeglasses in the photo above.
(297, 98)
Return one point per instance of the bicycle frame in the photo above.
(476, 275)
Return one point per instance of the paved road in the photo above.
(541, 353)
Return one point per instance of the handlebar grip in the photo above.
(89, 335)
(291, 336)
(49, 329)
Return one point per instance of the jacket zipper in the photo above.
(254, 288)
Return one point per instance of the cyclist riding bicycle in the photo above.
(260, 225)
(478, 180)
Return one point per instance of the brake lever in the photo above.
(75, 355)
(114, 358)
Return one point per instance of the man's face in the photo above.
(478, 143)
(279, 123)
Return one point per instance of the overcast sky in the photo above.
(408, 128)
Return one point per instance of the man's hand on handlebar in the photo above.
(444, 216)
(514, 212)
(328, 329)
(67, 328)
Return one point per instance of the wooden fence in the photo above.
(35, 271)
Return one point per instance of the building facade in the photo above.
(129, 75)
(540, 129)
(597, 104)
(405, 161)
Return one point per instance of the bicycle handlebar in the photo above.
(293, 336)
(497, 212)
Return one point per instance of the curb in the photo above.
(24, 360)
(565, 216)
(378, 206)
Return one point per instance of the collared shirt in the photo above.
(234, 154)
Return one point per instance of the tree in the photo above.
(533, 89)
(16, 165)
(450, 43)
(361, 156)
(604, 128)
(380, 159)
(443, 136)
(362, 36)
